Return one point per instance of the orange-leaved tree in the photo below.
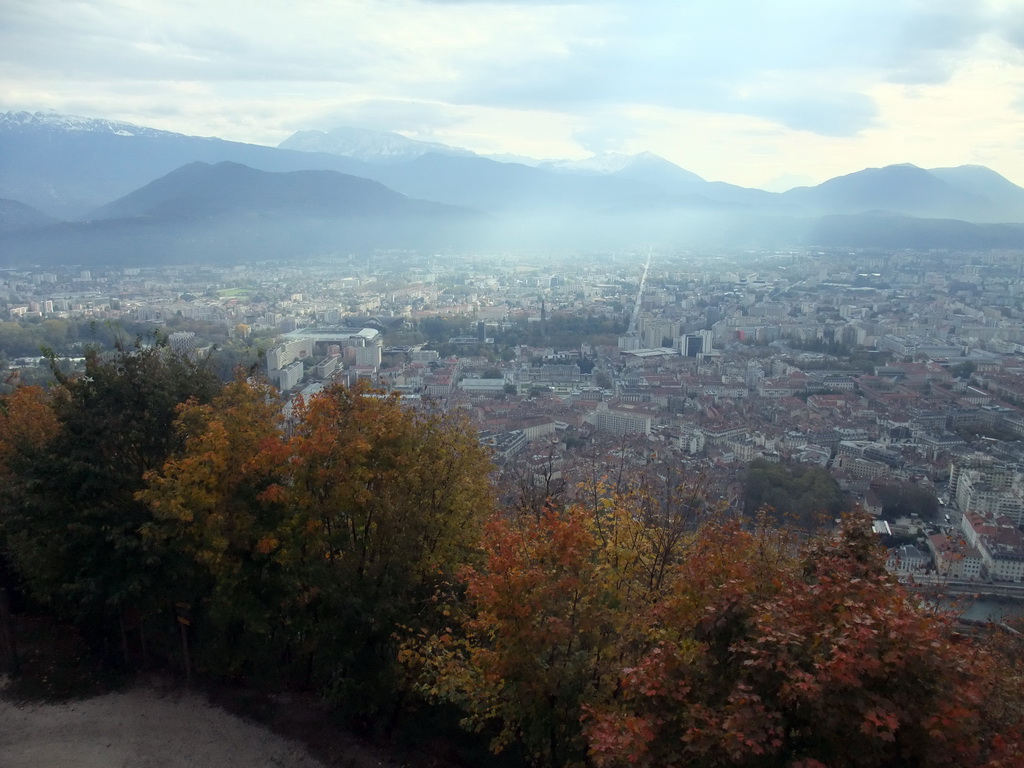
(828, 663)
(752, 649)
(319, 538)
(214, 516)
(560, 605)
(28, 424)
(73, 523)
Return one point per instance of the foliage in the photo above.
(906, 500)
(27, 338)
(72, 522)
(833, 665)
(320, 539)
(68, 337)
(747, 651)
(439, 328)
(28, 424)
(798, 494)
(559, 602)
(963, 370)
(349, 545)
(207, 505)
(563, 331)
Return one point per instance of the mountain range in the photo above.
(117, 186)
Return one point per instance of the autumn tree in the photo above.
(749, 650)
(211, 509)
(72, 522)
(27, 426)
(831, 664)
(321, 537)
(550, 618)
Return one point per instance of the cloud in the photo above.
(514, 2)
(827, 114)
(1012, 27)
(411, 117)
(685, 59)
(526, 76)
(604, 132)
(931, 45)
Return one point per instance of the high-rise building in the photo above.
(182, 342)
(370, 355)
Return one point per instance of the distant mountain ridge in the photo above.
(15, 216)
(226, 189)
(608, 162)
(904, 189)
(67, 166)
(13, 121)
(229, 212)
(367, 145)
(972, 193)
(157, 191)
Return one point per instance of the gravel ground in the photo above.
(139, 728)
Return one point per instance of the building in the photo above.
(423, 355)
(290, 376)
(1000, 543)
(955, 558)
(993, 491)
(182, 343)
(284, 354)
(696, 344)
(906, 560)
(368, 356)
(619, 422)
(328, 366)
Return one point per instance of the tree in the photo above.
(549, 617)
(210, 505)
(747, 650)
(399, 498)
(907, 500)
(321, 538)
(28, 424)
(963, 370)
(73, 523)
(796, 493)
(833, 664)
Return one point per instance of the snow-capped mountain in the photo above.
(367, 145)
(608, 162)
(13, 121)
(66, 166)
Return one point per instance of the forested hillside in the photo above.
(353, 546)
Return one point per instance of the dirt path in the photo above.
(139, 728)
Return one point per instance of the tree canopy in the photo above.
(750, 652)
(70, 515)
(800, 494)
(350, 545)
(318, 538)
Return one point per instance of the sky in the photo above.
(761, 93)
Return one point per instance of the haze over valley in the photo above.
(125, 192)
(526, 383)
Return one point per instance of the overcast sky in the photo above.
(768, 93)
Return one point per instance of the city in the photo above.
(898, 373)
